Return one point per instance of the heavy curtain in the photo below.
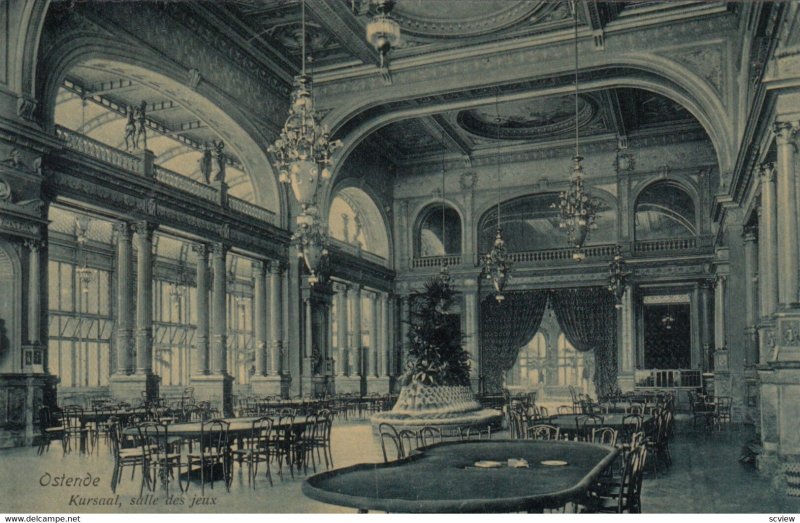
(589, 321)
(505, 327)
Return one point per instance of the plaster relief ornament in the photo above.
(5, 192)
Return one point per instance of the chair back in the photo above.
(214, 435)
(585, 423)
(46, 418)
(391, 447)
(631, 424)
(543, 432)
(429, 436)
(604, 436)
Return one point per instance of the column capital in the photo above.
(34, 245)
(357, 288)
(707, 284)
(275, 266)
(219, 249)
(259, 268)
(340, 287)
(144, 228)
(201, 249)
(784, 132)
(766, 172)
(123, 230)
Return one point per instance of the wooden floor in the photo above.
(705, 477)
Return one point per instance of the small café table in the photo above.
(568, 423)
(446, 478)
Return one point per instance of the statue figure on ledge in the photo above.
(141, 125)
(205, 163)
(130, 131)
(219, 154)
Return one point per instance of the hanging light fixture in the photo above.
(578, 209)
(303, 155)
(382, 31)
(617, 276)
(84, 274)
(668, 320)
(495, 263)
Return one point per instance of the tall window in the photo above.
(570, 363)
(241, 346)
(174, 321)
(80, 326)
(528, 370)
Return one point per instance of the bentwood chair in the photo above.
(213, 453)
(161, 457)
(391, 447)
(282, 442)
(128, 452)
(50, 428)
(604, 436)
(255, 449)
(543, 432)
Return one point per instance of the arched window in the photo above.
(528, 370)
(531, 223)
(439, 233)
(664, 210)
(354, 219)
(570, 364)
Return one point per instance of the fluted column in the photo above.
(124, 268)
(719, 313)
(219, 326)
(386, 339)
(201, 364)
(259, 316)
(355, 335)
(34, 292)
(275, 365)
(751, 311)
(373, 333)
(787, 214)
(706, 332)
(342, 358)
(768, 241)
(144, 298)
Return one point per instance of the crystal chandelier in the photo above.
(303, 154)
(617, 276)
(383, 32)
(495, 264)
(578, 209)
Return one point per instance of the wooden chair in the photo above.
(624, 496)
(429, 435)
(255, 449)
(282, 441)
(391, 447)
(585, 423)
(50, 428)
(214, 453)
(604, 436)
(722, 412)
(127, 453)
(160, 456)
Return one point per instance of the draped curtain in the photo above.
(589, 321)
(505, 328)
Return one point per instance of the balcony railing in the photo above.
(593, 251)
(251, 209)
(665, 245)
(185, 183)
(668, 378)
(356, 251)
(435, 261)
(98, 150)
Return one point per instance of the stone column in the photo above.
(720, 340)
(386, 339)
(471, 334)
(626, 378)
(34, 292)
(275, 319)
(405, 318)
(124, 268)
(371, 365)
(260, 318)
(201, 366)
(706, 331)
(380, 336)
(144, 298)
(343, 360)
(355, 334)
(768, 241)
(751, 311)
(787, 214)
(219, 327)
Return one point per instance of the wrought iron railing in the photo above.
(435, 261)
(665, 245)
(668, 378)
(98, 150)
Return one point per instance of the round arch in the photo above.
(424, 210)
(374, 227)
(149, 69)
(681, 192)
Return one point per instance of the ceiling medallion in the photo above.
(302, 154)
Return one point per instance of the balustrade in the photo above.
(668, 244)
(97, 150)
(185, 183)
(435, 261)
(250, 209)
